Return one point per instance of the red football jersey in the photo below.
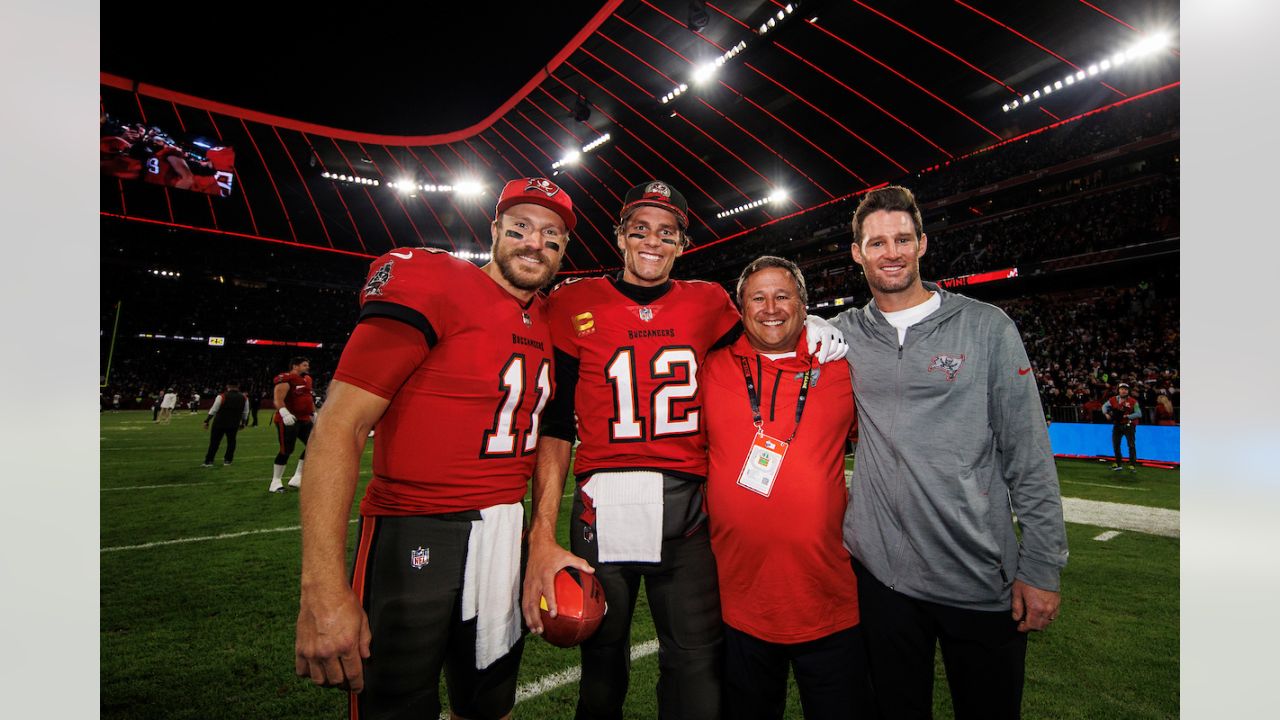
(637, 399)
(461, 430)
(299, 400)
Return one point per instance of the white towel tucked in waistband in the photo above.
(491, 581)
(628, 515)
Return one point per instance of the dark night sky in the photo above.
(435, 68)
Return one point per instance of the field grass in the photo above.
(203, 627)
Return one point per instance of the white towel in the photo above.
(491, 581)
(628, 515)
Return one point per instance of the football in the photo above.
(580, 607)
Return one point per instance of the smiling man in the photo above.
(777, 424)
(453, 364)
(952, 441)
(628, 350)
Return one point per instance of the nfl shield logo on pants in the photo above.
(419, 558)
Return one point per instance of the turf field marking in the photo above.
(180, 485)
(554, 681)
(1114, 487)
(196, 484)
(1107, 535)
(1153, 521)
(225, 536)
(186, 460)
(179, 541)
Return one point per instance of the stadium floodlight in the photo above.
(704, 72)
(1148, 45)
(778, 196)
(596, 143)
(1005, 107)
(468, 188)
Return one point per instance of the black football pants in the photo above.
(983, 653)
(684, 599)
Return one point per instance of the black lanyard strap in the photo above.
(754, 398)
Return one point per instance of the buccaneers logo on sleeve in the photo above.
(380, 277)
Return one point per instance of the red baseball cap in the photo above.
(539, 191)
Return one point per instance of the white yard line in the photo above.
(1114, 487)
(1118, 516)
(556, 680)
(197, 484)
(1108, 535)
(224, 536)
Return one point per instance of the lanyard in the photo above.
(754, 398)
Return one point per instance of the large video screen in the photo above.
(137, 151)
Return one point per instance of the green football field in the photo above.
(199, 595)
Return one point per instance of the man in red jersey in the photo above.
(453, 363)
(777, 425)
(628, 350)
(295, 407)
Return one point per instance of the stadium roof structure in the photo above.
(772, 109)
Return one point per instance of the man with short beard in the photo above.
(453, 363)
(952, 440)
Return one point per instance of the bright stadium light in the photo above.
(704, 72)
(1150, 44)
(468, 188)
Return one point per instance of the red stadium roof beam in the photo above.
(902, 77)
(981, 14)
(537, 172)
(650, 148)
(940, 47)
(378, 170)
(262, 161)
(654, 125)
(183, 126)
(336, 191)
(440, 223)
(577, 139)
(603, 209)
(581, 164)
(753, 103)
(230, 233)
(686, 120)
(244, 195)
(1174, 51)
(324, 227)
(456, 179)
(434, 181)
(607, 164)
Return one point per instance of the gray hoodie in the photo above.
(951, 439)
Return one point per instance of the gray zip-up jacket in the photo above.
(951, 438)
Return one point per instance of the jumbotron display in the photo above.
(138, 151)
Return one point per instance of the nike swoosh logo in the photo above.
(403, 256)
(1024, 371)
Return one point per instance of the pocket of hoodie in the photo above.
(976, 518)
